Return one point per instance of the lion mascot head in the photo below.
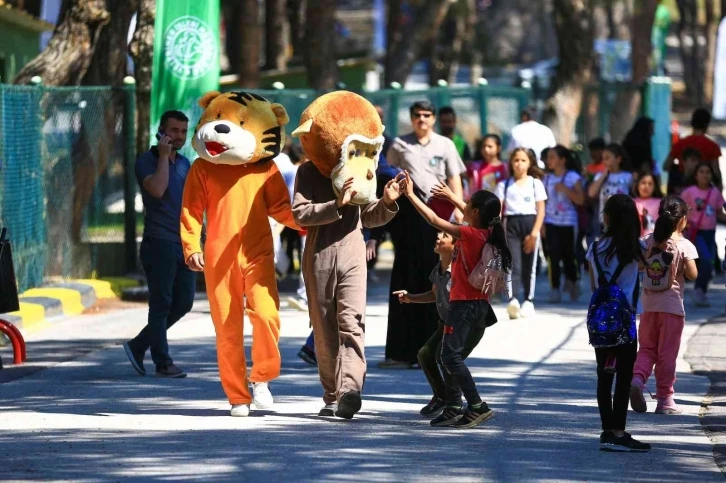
(342, 134)
(239, 128)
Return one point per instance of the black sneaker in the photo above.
(433, 408)
(349, 404)
(449, 417)
(606, 438)
(328, 410)
(171, 371)
(474, 416)
(137, 360)
(624, 443)
(308, 356)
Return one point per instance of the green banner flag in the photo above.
(186, 57)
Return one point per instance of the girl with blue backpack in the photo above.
(615, 260)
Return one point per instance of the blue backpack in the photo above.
(611, 317)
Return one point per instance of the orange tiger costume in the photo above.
(237, 184)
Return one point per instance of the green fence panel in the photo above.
(61, 178)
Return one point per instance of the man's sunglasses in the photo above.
(422, 114)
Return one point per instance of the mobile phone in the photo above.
(159, 134)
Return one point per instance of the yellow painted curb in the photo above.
(101, 287)
(70, 299)
(32, 315)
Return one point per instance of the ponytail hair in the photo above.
(671, 211)
(490, 209)
(619, 152)
(572, 159)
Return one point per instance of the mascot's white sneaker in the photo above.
(262, 397)
(240, 410)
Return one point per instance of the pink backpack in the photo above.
(488, 276)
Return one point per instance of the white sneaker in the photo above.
(240, 410)
(262, 397)
(297, 303)
(555, 296)
(513, 309)
(527, 309)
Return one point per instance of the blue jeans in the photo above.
(171, 296)
(706, 246)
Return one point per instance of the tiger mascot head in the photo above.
(239, 128)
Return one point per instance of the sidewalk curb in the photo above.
(703, 354)
(62, 299)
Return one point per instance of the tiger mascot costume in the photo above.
(236, 183)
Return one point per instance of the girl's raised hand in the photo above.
(406, 184)
(402, 296)
(442, 190)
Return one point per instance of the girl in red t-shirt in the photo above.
(485, 173)
(468, 307)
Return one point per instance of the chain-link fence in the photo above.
(61, 178)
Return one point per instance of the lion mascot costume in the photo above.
(335, 196)
(237, 185)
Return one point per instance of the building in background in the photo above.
(20, 39)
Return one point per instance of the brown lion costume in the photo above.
(342, 135)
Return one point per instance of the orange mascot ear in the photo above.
(207, 98)
(280, 114)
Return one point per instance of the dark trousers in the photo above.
(614, 409)
(707, 252)
(292, 241)
(561, 250)
(171, 296)
(523, 264)
(410, 325)
(465, 317)
(429, 358)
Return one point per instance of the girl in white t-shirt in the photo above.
(616, 179)
(523, 207)
(564, 194)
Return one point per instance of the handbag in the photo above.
(691, 231)
(8, 285)
(443, 208)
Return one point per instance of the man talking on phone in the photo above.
(161, 173)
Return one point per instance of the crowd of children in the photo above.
(637, 246)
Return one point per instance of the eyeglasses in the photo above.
(422, 114)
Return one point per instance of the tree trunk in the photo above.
(461, 18)
(296, 20)
(627, 105)
(319, 46)
(711, 38)
(276, 35)
(247, 21)
(142, 51)
(573, 24)
(687, 27)
(69, 52)
(405, 42)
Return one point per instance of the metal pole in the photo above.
(129, 127)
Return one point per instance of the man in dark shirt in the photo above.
(161, 173)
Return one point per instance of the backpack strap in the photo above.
(601, 280)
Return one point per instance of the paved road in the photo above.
(91, 418)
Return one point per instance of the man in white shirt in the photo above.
(532, 135)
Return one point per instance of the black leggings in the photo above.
(614, 409)
(523, 264)
(561, 249)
